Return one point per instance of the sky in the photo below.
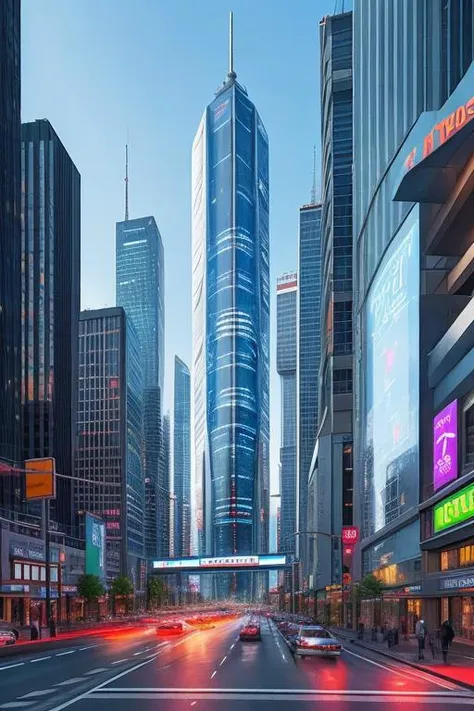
(108, 72)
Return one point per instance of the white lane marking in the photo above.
(287, 692)
(135, 654)
(193, 703)
(68, 682)
(95, 671)
(101, 685)
(82, 649)
(269, 696)
(63, 654)
(40, 692)
(16, 704)
(222, 662)
(12, 666)
(119, 661)
(400, 673)
(213, 674)
(40, 659)
(232, 646)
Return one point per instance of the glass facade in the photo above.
(286, 368)
(140, 291)
(165, 529)
(10, 256)
(50, 245)
(182, 458)
(231, 326)
(108, 457)
(309, 350)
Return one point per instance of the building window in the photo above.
(469, 435)
(18, 572)
(43, 574)
(342, 381)
(26, 572)
(54, 575)
(34, 572)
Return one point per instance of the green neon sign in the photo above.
(455, 509)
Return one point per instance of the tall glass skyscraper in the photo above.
(140, 291)
(182, 458)
(286, 367)
(230, 186)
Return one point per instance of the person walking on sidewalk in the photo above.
(421, 633)
(447, 636)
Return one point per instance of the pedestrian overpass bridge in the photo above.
(228, 564)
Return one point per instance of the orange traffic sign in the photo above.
(40, 478)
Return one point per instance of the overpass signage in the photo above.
(208, 563)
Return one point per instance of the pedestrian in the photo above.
(421, 632)
(447, 636)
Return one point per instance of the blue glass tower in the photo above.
(181, 459)
(231, 327)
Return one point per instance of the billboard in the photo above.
(445, 445)
(235, 561)
(40, 477)
(95, 546)
(457, 508)
(350, 535)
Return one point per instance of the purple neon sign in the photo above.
(445, 445)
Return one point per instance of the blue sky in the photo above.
(107, 71)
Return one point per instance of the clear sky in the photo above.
(107, 71)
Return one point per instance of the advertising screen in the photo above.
(445, 445)
(95, 546)
(391, 369)
(457, 508)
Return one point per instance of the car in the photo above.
(314, 641)
(7, 637)
(9, 627)
(250, 633)
(169, 628)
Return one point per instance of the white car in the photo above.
(314, 641)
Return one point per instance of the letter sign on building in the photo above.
(454, 509)
(350, 535)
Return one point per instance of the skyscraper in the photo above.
(164, 489)
(10, 247)
(182, 458)
(230, 285)
(286, 367)
(108, 464)
(140, 290)
(308, 358)
(51, 268)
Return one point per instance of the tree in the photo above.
(369, 588)
(121, 587)
(156, 590)
(90, 588)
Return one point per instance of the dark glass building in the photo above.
(165, 532)
(231, 298)
(182, 458)
(108, 463)
(51, 269)
(140, 290)
(308, 358)
(286, 367)
(10, 248)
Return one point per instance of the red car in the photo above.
(169, 628)
(250, 633)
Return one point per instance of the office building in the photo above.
(140, 291)
(405, 298)
(308, 357)
(331, 466)
(108, 464)
(182, 458)
(10, 249)
(164, 491)
(230, 291)
(286, 367)
(51, 269)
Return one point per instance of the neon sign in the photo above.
(445, 445)
(454, 509)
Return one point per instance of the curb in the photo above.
(445, 677)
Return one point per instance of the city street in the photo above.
(212, 669)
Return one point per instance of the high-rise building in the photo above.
(230, 286)
(182, 458)
(108, 465)
(164, 490)
(331, 466)
(407, 289)
(308, 359)
(140, 290)
(286, 367)
(51, 268)
(10, 248)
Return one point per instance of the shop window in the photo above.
(34, 572)
(18, 572)
(43, 574)
(26, 572)
(444, 560)
(466, 555)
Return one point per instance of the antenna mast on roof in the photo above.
(126, 182)
(313, 189)
(231, 74)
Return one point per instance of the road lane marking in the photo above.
(193, 703)
(63, 654)
(135, 654)
(119, 661)
(213, 674)
(40, 692)
(405, 672)
(232, 646)
(104, 689)
(297, 695)
(95, 671)
(12, 666)
(16, 704)
(68, 682)
(40, 659)
(82, 649)
(222, 662)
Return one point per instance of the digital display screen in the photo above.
(390, 455)
(235, 561)
(454, 509)
(95, 547)
(445, 445)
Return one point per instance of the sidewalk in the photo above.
(460, 666)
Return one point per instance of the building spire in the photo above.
(126, 182)
(314, 189)
(231, 74)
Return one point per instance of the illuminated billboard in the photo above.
(235, 561)
(445, 445)
(457, 508)
(95, 546)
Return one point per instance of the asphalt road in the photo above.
(210, 670)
